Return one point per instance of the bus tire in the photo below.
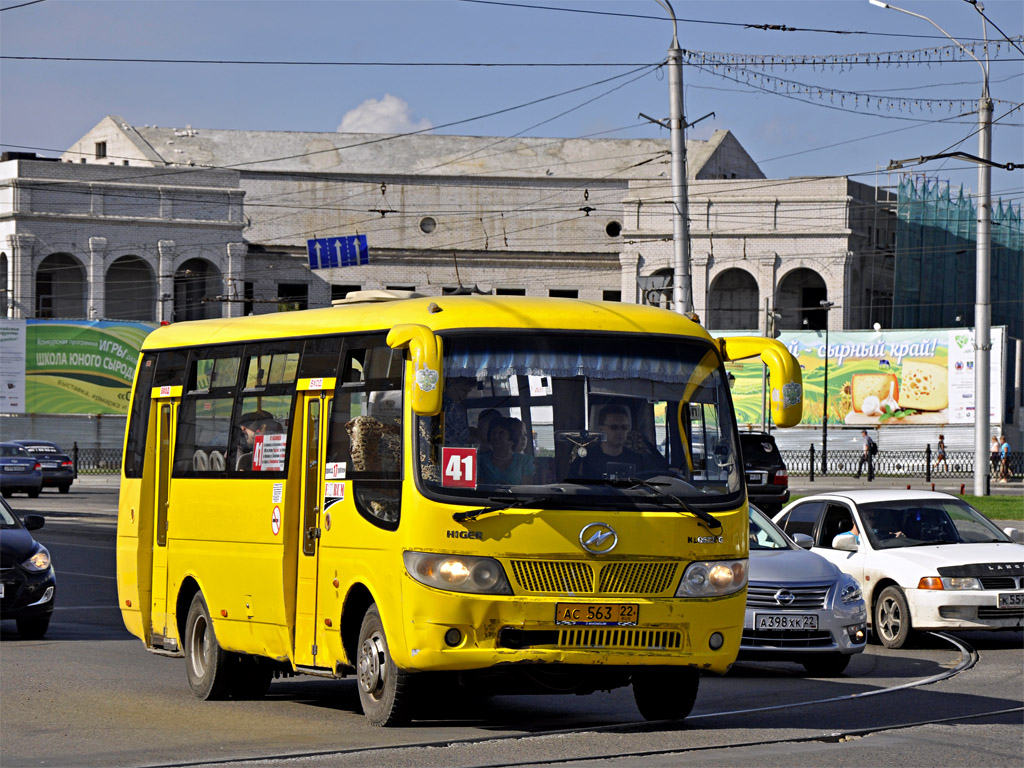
(384, 690)
(892, 618)
(665, 693)
(209, 667)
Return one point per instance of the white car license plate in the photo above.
(785, 621)
(15, 468)
(757, 478)
(1011, 600)
(1, 589)
(49, 465)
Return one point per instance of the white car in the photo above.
(924, 560)
(800, 607)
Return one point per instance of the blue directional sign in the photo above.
(328, 252)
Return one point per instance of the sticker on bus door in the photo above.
(458, 467)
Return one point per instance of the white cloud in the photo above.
(387, 115)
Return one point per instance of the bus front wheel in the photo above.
(665, 693)
(384, 690)
(208, 666)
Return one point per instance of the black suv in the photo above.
(765, 471)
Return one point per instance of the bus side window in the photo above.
(366, 427)
(204, 416)
(138, 421)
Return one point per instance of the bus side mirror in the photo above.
(787, 391)
(425, 351)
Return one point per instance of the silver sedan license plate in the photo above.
(785, 621)
(1011, 600)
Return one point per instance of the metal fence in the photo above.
(96, 461)
(958, 464)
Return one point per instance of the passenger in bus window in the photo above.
(483, 426)
(250, 425)
(456, 421)
(503, 464)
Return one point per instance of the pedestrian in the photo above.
(940, 454)
(995, 456)
(867, 456)
(1004, 460)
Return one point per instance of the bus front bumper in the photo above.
(447, 631)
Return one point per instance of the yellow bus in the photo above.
(503, 493)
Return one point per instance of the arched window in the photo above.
(733, 301)
(197, 286)
(799, 298)
(60, 287)
(130, 290)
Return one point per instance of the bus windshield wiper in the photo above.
(523, 501)
(663, 497)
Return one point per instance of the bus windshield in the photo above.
(558, 416)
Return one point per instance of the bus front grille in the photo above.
(610, 638)
(575, 578)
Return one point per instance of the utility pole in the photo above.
(682, 288)
(982, 272)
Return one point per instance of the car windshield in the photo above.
(9, 451)
(917, 522)
(564, 416)
(764, 534)
(7, 518)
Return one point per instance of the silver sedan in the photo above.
(800, 607)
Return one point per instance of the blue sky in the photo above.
(49, 104)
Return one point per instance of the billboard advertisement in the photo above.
(12, 365)
(880, 378)
(80, 366)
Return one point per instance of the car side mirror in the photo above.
(1015, 534)
(803, 541)
(846, 542)
(33, 522)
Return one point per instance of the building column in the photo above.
(234, 279)
(700, 266)
(767, 269)
(629, 263)
(96, 301)
(165, 280)
(22, 296)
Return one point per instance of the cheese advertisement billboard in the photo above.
(880, 378)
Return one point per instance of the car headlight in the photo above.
(712, 578)
(458, 573)
(40, 561)
(849, 589)
(949, 582)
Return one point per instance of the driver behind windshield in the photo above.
(612, 457)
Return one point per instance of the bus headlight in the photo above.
(713, 578)
(458, 573)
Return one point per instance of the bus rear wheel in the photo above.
(665, 693)
(209, 667)
(385, 691)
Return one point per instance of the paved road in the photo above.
(90, 695)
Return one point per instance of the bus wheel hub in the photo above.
(371, 664)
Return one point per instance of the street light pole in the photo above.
(982, 273)
(682, 289)
(826, 305)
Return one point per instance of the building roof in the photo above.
(402, 154)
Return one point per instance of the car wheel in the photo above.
(64, 488)
(209, 667)
(830, 665)
(33, 628)
(892, 618)
(665, 693)
(384, 689)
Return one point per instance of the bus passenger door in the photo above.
(316, 406)
(161, 617)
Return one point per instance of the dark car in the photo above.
(28, 584)
(765, 471)
(20, 472)
(58, 468)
